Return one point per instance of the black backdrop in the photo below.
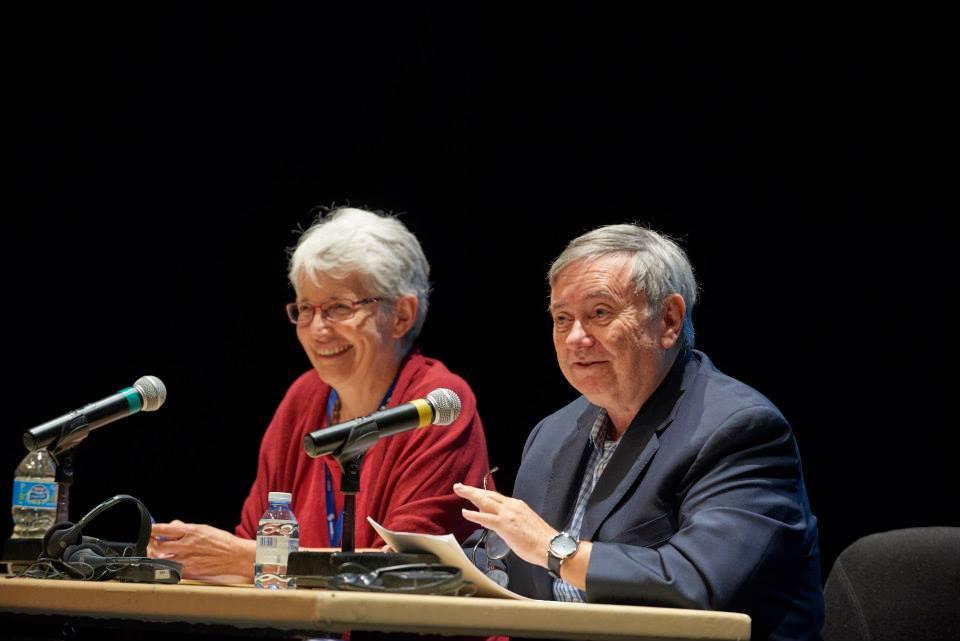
(162, 160)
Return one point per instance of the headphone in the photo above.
(64, 540)
(410, 578)
(67, 553)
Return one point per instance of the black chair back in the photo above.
(902, 584)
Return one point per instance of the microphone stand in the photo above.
(350, 486)
(350, 456)
(309, 567)
(64, 478)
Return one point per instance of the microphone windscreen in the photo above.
(446, 405)
(153, 392)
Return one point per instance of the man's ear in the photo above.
(674, 311)
(404, 315)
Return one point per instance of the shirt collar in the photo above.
(600, 430)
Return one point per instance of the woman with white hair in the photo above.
(361, 283)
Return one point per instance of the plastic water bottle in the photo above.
(277, 536)
(35, 493)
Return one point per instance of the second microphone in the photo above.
(352, 438)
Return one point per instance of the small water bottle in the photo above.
(35, 494)
(278, 534)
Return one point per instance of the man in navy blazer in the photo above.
(667, 483)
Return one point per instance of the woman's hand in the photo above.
(205, 552)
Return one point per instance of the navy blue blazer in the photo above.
(702, 505)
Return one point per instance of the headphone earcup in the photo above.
(89, 553)
(59, 537)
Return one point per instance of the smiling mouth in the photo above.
(333, 352)
(587, 363)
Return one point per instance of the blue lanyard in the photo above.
(335, 520)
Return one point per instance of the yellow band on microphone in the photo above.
(424, 410)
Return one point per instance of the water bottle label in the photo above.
(35, 494)
(273, 527)
(273, 550)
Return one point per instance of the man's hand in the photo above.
(519, 526)
(523, 530)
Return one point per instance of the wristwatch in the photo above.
(562, 547)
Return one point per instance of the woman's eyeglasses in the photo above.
(495, 548)
(338, 310)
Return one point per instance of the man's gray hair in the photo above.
(660, 266)
(377, 247)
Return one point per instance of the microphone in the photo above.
(148, 394)
(347, 440)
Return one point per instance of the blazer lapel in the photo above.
(628, 463)
(564, 479)
(563, 482)
(637, 447)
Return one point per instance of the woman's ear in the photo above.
(404, 315)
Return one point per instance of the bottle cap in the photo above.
(279, 497)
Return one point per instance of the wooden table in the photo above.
(244, 608)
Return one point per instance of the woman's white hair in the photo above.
(377, 247)
(660, 266)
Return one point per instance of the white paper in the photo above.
(448, 550)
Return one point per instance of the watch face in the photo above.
(563, 545)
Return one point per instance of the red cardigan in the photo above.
(406, 480)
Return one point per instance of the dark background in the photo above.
(163, 159)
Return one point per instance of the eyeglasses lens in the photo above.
(495, 546)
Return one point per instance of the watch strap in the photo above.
(553, 566)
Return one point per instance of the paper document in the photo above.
(448, 550)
